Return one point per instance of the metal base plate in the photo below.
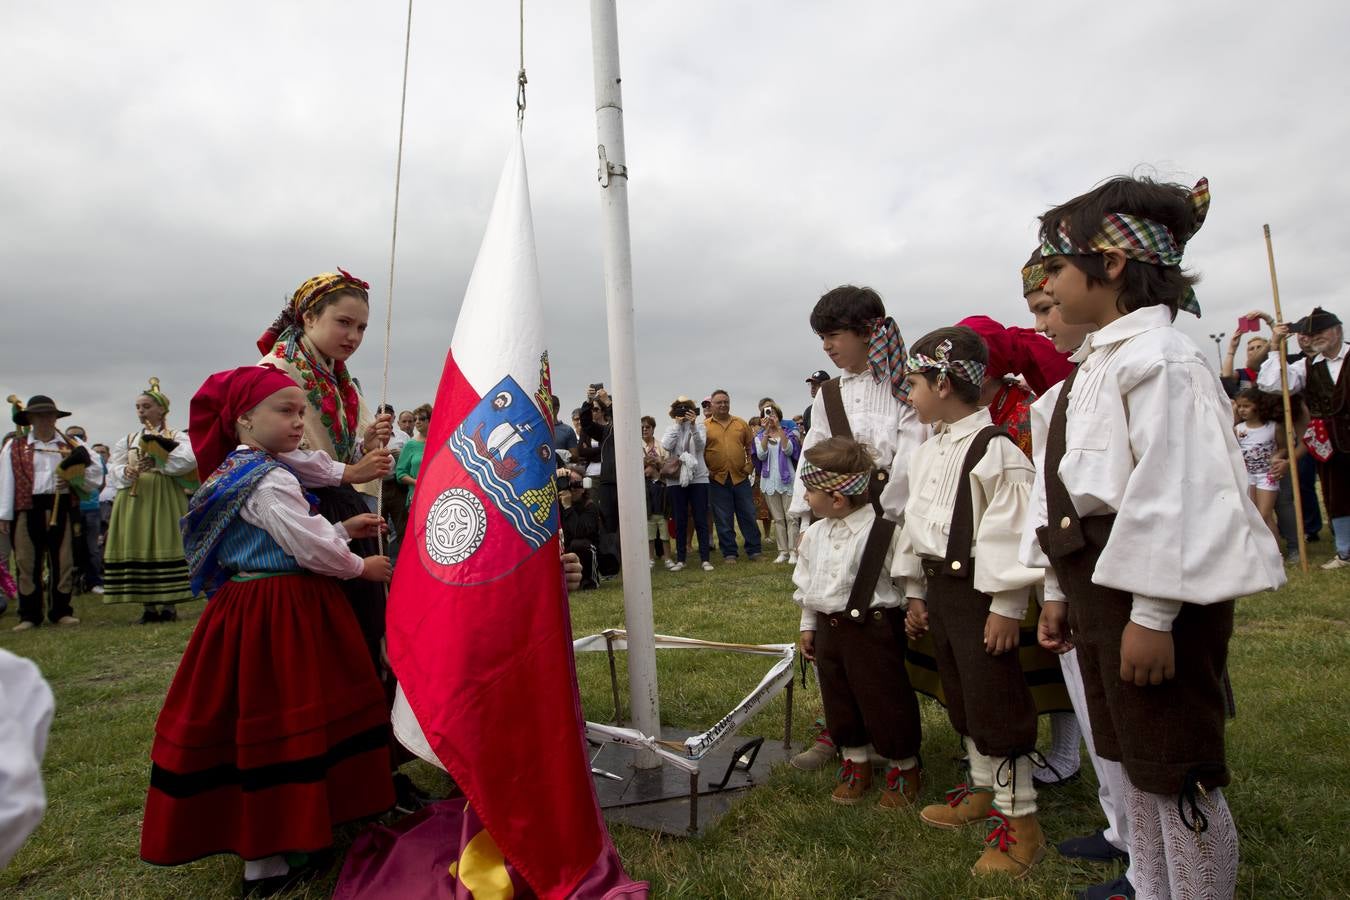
(658, 799)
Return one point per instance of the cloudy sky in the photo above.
(170, 172)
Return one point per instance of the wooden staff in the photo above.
(1289, 437)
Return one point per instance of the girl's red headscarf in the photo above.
(1020, 351)
(221, 399)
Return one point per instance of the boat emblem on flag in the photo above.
(496, 485)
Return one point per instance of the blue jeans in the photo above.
(737, 499)
(684, 500)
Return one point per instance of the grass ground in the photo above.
(1289, 749)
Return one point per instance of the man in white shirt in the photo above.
(1326, 391)
(37, 511)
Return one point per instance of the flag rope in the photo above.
(393, 247)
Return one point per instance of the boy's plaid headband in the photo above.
(847, 483)
(1141, 239)
(966, 369)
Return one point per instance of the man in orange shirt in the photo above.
(728, 457)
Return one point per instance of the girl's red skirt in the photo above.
(275, 728)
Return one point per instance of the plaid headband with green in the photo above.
(847, 483)
(966, 369)
(1141, 239)
(886, 354)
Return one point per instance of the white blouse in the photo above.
(181, 460)
(1150, 438)
(827, 566)
(278, 507)
(1000, 494)
(889, 426)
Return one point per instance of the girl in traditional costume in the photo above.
(154, 471)
(312, 339)
(275, 728)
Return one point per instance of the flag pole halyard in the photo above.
(1289, 437)
(618, 261)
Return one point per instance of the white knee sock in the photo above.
(1200, 866)
(981, 767)
(1063, 758)
(1014, 789)
(267, 867)
(858, 755)
(1148, 856)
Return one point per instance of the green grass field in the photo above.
(1289, 750)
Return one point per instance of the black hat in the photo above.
(820, 376)
(1318, 320)
(38, 403)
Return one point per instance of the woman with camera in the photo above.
(686, 478)
(775, 448)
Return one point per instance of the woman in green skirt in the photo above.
(155, 472)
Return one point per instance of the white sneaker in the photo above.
(792, 559)
(1336, 562)
(677, 567)
(707, 567)
(96, 589)
(671, 564)
(651, 564)
(67, 620)
(25, 625)
(780, 558)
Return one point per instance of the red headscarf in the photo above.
(221, 399)
(1020, 351)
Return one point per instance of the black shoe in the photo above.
(168, 614)
(1051, 778)
(1094, 846)
(1120, 889)
(149, 616)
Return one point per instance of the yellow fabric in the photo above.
(482, 869)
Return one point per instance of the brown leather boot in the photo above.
(820, 754)
(901, 789)
(1015, 845)
(855, 779)
(964, 806)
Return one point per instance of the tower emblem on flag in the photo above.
(497, 490)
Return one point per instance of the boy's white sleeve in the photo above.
(909, 436)
(26, 708)
(1004, 477)
(801, 581)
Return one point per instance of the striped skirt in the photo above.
(143, 557)
(274, 730)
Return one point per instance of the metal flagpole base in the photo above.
(675, 802)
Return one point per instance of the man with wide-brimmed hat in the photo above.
(37, 509)
(1325, 385)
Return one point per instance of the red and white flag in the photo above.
(478, 627)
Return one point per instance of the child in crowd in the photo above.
(1110, 843)
(852, 623)
(864, 403)
(1257, 412)
(971, 486)
(275, 728)
(1141, 508)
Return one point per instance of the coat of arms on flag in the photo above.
(497, 498)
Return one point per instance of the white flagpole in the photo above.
(637, 580)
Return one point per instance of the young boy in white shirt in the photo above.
(852, 623)
(970, 487)
(1141, 508)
